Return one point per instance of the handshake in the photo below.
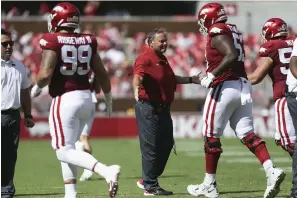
(204, 80)
(207, 80)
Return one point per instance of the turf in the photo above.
(239, 175)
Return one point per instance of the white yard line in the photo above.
(254, 160)
(42, 188)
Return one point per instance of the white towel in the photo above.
(246, 91)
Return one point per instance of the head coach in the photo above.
(154, 85)
(291, 97)
(14, 95)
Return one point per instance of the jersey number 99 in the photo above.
(75, 59)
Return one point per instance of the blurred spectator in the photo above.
(44, 9)
(91, 8)
(12, 12)
(292, 33)
(88, 29)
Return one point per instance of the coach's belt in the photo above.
(11, 110)
(158, 107)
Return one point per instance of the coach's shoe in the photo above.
(274, 179)
(157, 191)
(112, 179)
(87, 174)
(201, 189)
(140, 184)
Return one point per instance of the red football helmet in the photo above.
(209, 14)
(274, 27)
(63, 15)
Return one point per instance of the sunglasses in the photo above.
(6, 43)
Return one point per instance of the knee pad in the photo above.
(252, 141)
(212, 145)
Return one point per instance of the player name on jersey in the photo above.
(233, 28)
(74, 40)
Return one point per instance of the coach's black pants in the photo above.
(155, 131)
(10, 134)
(292, 105)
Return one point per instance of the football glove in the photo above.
(35, 91)
(207, 80)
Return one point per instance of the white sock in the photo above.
(209, 179)
(70, 190)
(86, 171)
(267, 165)
(101, 169)
(80, 159)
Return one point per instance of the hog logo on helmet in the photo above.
(63, 15)
(210, 14)
(274, 27)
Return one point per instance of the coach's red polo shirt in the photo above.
(159, 82)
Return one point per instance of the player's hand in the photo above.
(136, 93)
(35, 91)
(29, 122)
(207, 80)
(108, 102)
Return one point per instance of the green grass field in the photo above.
(38, 171)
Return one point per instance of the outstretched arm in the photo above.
(188, 80)
(262, 70)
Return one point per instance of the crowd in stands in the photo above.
(118, 51)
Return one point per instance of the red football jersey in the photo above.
(74, 53)
(214, 58)
(280, 52)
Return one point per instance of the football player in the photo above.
(275, 53)
(229, 99)
(66, 60)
